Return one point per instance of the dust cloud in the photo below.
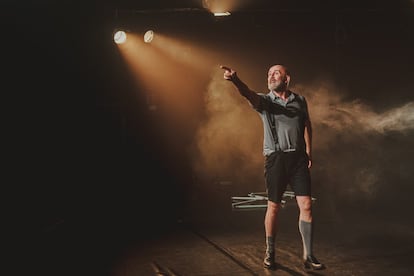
(360, 155)
(230, 139)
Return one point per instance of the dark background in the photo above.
(83, 152)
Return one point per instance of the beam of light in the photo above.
(144, 62)
(176, 84)
(168, 55)
(120, 37)
(191, 54)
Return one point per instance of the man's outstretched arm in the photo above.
(244, 90)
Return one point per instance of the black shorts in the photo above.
(283, 168)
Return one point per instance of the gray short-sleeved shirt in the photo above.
(288, 120)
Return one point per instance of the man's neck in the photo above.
(284, 95)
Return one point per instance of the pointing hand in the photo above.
(228, 72)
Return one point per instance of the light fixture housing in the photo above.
(120, 37)
(148, 36)
(222, 13)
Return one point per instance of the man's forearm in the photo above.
(308, 138)
(245, 91)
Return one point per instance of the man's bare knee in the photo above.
(273, 207)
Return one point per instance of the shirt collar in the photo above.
(274, 97)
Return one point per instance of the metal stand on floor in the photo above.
(258, 200)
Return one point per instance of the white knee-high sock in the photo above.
(305, 229)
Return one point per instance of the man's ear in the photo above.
(287, 79)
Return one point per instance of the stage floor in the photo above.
(235, 246)
(211, 238)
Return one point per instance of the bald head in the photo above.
(278, 78)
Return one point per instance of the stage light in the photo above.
(222, 14)
(218, 7)
(148, 36)
(120, 37)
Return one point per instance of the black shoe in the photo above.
(312, 263)
(269, 260)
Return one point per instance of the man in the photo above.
(287, 148)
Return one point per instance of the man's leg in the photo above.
(306, 231)
(270, 224)
(276, 182)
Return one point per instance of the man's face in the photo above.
(276, 78)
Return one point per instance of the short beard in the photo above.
(278, 87)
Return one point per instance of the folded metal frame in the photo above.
(258, 200)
